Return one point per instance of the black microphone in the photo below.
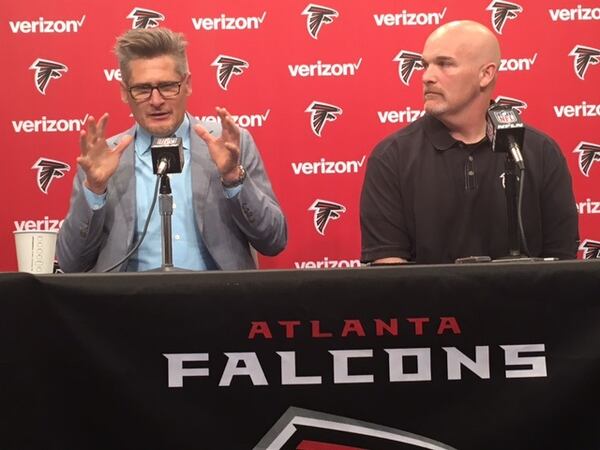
(505, 130)
(167, 155)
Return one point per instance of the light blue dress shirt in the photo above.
(189, 250)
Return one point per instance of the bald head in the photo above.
(469, 39)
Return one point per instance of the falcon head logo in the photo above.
(47, 171)
(501, 12)
(588, 154)
(305, 429)
(45, 70)
(227, 67)
(324, 212)
(515, 103)
(591, 249)
(584, 58)
(503, 179)
(320, 113)
(145, 18)
(408, 62)
(316, 16)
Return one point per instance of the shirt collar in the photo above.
(143, 139)
(438, 133)
(440, 136)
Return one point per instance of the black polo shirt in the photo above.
(429, 198)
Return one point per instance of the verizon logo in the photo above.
(517, 64)
(403, 116)
(406, 18)
(579, 13)
(324, 167)
(112, 74)
(228, 23)
(45, 125)
(327, 263)
(46, 224)
(243, 120)
(321, 69)
(582, 110)
(46, 26)
(588, 207)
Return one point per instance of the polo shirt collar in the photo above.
(143, 139)
(438, 133)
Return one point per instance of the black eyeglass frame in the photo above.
(158, 87)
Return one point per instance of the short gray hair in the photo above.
(151, 43)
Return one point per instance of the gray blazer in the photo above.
(95, 240)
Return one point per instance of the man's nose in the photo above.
(428, 75)
(155, 98)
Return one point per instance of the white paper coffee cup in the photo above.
(35, 250)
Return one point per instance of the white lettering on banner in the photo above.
(45, 125)
(582, 110)
(517, 64)
(327, 167)
(243, 120)
(112, 74)
(588, 207)
(406, 18)
(404, 116)
(46, 26)
(46, 224)
(228, 23)
(327, 263)
(248, 365)
(321, 69)
(579, 13)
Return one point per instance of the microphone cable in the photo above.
(141, 239)
(519, 212)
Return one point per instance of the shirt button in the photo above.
(470, 158)
(177, 237)
(471, 173)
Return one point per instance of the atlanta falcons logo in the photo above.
(408, 62)
(45, 70)
(324, 212)
(321, 113)
(316, 17)
(584, 58)
(591, 249)
(48, 170)
(227, 67)
(501, 12)
(503, 179)
(515, 103)
(145, 18)
(588, 154)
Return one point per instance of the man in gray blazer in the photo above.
(224, 205)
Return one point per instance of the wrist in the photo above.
(234, 178)
(95, 188)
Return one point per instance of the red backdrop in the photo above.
(343, 54)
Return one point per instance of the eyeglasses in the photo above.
(143, 92)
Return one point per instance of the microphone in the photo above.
(167, 155)
(505, 130)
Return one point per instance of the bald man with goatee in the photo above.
(434, 191)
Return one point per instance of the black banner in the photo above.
(495, 357)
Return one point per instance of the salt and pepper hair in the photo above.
(150, 43)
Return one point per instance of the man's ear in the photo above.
(124, 92)
(487, 74)
(188, 84)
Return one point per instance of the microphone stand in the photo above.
(165, 208)
(510, 191)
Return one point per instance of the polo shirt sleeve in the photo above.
(559, 210)
(382, 215)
